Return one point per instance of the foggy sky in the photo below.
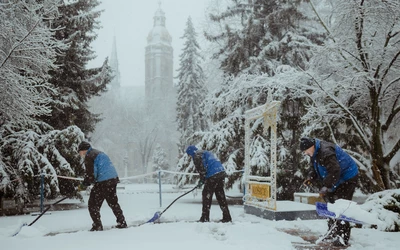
(131, 21)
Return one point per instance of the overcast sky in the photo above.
(131, 21)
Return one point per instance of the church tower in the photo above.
(159, 62)
(160, 93)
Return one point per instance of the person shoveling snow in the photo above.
(337, 173)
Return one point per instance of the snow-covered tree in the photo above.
(27, 53)
(353, 86)
(144, 130)
(263, 36)
(159, 160)
(256, 37)
(350, 89)
(25, 155)
(260, 35)
(31, 44)
(76, 83)
(191, 89)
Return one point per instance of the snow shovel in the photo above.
(158, 214)
(322, 210)
(40, 215)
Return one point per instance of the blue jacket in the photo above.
(98, 166)
(332, 165)
(207, 165)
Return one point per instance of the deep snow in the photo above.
(140, 202)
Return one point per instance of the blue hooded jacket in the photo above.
(206, 164)
(332, 164)
(98, 166)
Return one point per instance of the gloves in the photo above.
(86, 183)
(200, 184)
(323, 191)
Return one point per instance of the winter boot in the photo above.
(96, 227)
(121, 225)
(343, 233)
(203, 219)
(226, 218)
(330, 236)
(339, 242)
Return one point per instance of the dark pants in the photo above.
(344, 191)
(105, 190)
(215, 184)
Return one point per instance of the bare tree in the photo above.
(353, 84)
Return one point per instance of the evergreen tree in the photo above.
(26, 154)
(32, 49)
(77, 84)
(191, 89)
(340, 88)
(159, 159)
(258, 38)
(266, 34)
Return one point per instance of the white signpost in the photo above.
(261, 190)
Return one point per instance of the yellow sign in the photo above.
(260, 191)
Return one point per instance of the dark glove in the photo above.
(86, 183)
(200, 184)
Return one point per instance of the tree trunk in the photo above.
(381, 174)
(385, 174)
(377, 174)
(368, 184)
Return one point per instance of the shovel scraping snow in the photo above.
(158, 214)
(322, 210)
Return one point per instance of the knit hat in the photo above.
(83, 146)
(191, 150)
(306, 143)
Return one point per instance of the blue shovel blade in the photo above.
(322, 210)
(155, 217)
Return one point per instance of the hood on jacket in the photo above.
(191, 150)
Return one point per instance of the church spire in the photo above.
(114, 65)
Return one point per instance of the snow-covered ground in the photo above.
(140, 202)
